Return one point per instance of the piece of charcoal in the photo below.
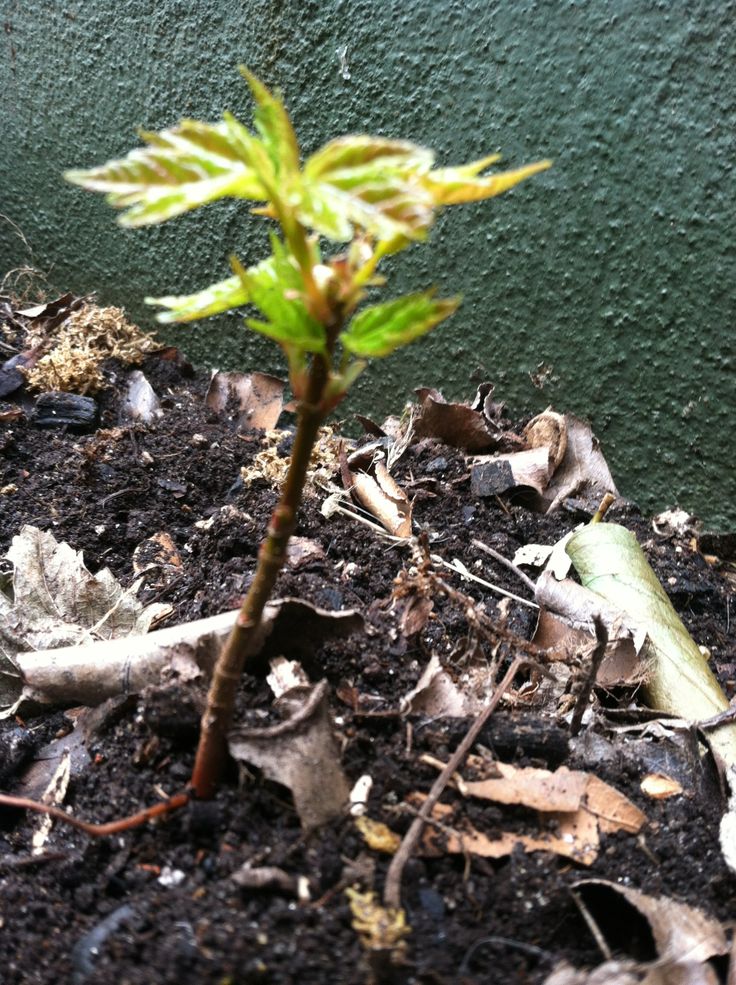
(55, 409)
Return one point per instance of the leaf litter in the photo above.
(458, 914)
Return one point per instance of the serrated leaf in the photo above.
(224, 296)
(275, 287)
(344, 157)
(453, 186)
(371, 183)
(273, 123)
(382, 328)
(179, 170)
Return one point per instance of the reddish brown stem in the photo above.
(98, 830)
(232, 659)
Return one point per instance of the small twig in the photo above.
(530, 949)
(392, 889)
(459, 568)
(592, 925)
(98, 830)
(596, 658)
(497, 556)
(722, 718)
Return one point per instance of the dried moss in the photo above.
(76, 349)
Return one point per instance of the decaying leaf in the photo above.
(258, 397)
(682, 935)
(727, 827)
(378, 928)
(54, 601)
(454, 424)
(622, 663)
(566, 624)
(91, 674)
(384, 499)
(575, 806)
(583, 471)
(285, 675)
(437, 695)
(610, 563)
(272, 877)
(72, 748)
(634, 973)
(301, 753)
(157, 558)
(140, 402)
(377, 835)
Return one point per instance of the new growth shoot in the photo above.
(338, 214)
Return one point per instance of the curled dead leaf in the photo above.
(301, 753)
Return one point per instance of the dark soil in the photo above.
(160, 901)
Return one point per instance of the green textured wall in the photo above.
(616, 269)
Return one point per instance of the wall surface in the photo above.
(608, 281)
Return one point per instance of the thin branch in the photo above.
(392, 889)
(459, 568)
(497, 556)
(596, 658)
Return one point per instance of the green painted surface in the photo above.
(616, 269)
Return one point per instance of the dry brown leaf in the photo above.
(621, 664)
(583, 471)
(562, 791)
(90, 674)
(454, 424)
(258, 396)
(301, 753)
(302, 551)
(682, 934)
(579, 804)
(435, 694)
(157, 558)
(384, 499)
(576, 839)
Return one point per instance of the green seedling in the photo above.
(372, 196)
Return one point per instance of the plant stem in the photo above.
(232, 659)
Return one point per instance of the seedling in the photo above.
(373, 196)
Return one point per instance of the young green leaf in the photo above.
(273, 123)
(225, 296)
(368, 183)
(453, 186)
(179, 170)
(275, 286)
(382, 328)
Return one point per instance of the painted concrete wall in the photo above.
(611, 277)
